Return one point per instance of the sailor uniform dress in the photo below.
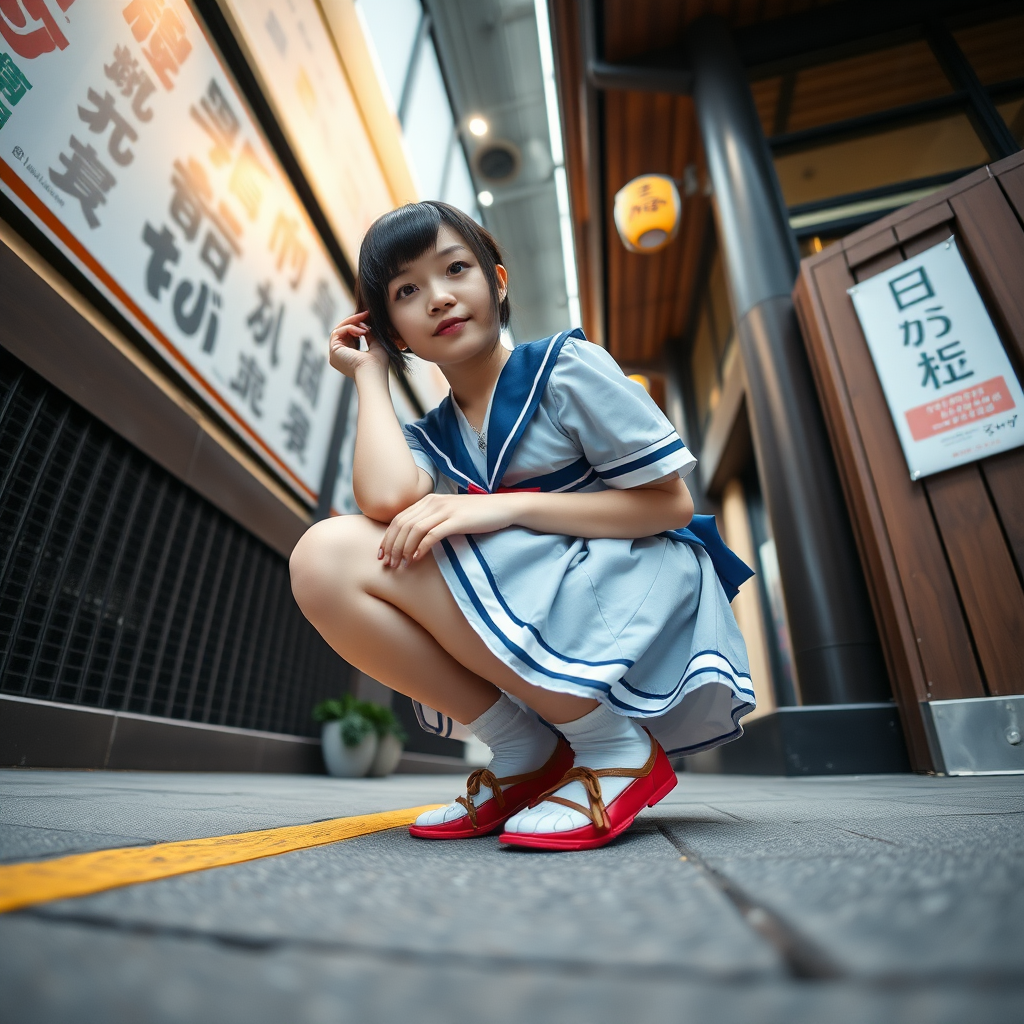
(644, 625)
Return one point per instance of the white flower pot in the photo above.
(346, 762)
(389, 753)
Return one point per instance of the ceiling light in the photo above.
(485, 198)
(478, 126)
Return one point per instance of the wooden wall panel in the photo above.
(984, 572)
(943, 556)
(1004, 474)
(882, 572)
(983, 569)
(993, 240)
(1011, 180)
(932, 602)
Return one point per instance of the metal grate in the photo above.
(121, 588)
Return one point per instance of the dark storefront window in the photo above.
(1013, 114)
(995, 50)
(854, 87)
(713, 345)
(853, 165)
(858, 137)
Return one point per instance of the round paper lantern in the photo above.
(647, 213)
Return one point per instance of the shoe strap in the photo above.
(485, 777)
(590, 779)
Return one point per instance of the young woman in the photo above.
(523, 563)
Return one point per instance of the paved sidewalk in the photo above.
(871, 899)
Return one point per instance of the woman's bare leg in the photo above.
(403, 627)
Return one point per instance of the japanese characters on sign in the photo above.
(951, 390)
(125, 140)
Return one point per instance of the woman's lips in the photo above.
(451, 325)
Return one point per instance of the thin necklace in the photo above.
(481, 436)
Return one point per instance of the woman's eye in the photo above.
(406, 289)
(458, 267)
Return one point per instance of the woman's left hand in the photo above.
(415, 531)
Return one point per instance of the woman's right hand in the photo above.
(345, 355)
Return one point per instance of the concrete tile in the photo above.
(164, 806)
(886, 895)
(912, 886)
(633, 902)
(55, 973)
(25, 842)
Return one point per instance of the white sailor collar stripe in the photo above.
(441, 459)
(517, 394)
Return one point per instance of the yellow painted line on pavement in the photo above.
(22, 885)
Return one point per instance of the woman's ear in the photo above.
(502, 281)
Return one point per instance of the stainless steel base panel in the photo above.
(977, 735)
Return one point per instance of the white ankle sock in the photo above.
(519, 743)
(601, 739)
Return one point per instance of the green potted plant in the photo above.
(390, 738)
(348, 738)
(358, 737)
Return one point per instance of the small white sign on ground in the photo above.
(952, 392)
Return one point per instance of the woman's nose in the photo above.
(442, 300)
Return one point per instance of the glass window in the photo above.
(813, 245)
(900, 154)
(393, 26)
(428, 124)
(704, 367)
(995, 50)
(1013, 115)
(721, 314)
(766, 99)
(729, 356)
(865, 84)
(458, 189)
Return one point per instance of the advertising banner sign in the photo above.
(125, 139)
(951, 389)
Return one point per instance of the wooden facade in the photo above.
(943, 556)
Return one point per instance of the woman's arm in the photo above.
(385, 478)
(636, 512)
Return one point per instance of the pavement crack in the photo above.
(722, 810)
(803, 960)
(482, 962)
(864, 835)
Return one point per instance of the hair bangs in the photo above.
(396, 240)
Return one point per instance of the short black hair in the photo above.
(403, 235)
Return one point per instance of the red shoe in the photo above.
(492, 815)
(654, 781)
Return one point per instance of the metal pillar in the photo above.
(330, 475)
(835, 643)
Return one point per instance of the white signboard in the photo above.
(952, 392)
(125, 139)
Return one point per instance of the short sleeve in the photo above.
(624, 435)
(419, 455)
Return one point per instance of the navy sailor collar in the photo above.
(517, 394)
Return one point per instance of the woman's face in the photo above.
(440, 304)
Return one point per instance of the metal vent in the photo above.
(121, 588)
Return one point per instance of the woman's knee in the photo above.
(330, 559)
